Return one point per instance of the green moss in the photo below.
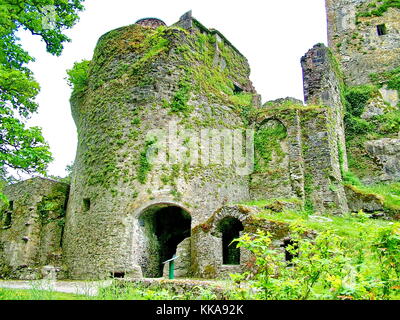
(215, 72)
(359, 130)
(308, 190)
(389, 78)
(144, 164)
(389, 193)
(377, 9)
(179, 103)
(357, 97)
(339, 75)
(267, 143)
(351, 179)
(52, 207)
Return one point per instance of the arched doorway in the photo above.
(230, 228)
(163, 228)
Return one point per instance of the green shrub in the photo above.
(356, 126)
(357, 97)
(364, 265)
(78, 76)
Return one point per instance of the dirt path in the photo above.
(89, 288)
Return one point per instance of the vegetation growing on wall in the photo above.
(215, 67)
(359, 129)
(267, 144)
(390, 78)
(378, 8)
(120, 66)
(144, 163)
(52, 207)
(78, 76)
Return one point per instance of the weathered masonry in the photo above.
(122, 216)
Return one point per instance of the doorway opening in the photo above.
(230, 228)
(164, 228)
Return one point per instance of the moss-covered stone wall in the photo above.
(353, 35)
(31, 228)
(142, 79)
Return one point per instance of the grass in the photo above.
(348, 226)
(34, 294)
(118, 290)
(389, 192)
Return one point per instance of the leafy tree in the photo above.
(21, 148)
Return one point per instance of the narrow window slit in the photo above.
(86, 204)
(381, 29)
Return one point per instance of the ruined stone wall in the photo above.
(323, 181)
(364, 36)
(324, 142)
(207, 257)
(279, 169)
(142, 79)
(31, 239)
(353, 35)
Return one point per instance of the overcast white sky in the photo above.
(272, 34)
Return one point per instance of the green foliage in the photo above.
(78, 76)
(390, 193)
(215, 75)
(21, 148)
(390, 78)
(181, 98)
(132, 291)
(386, 247)
(351, 178)
(267, 143)
(349, 261)
(356, 126)
(144, 163)
(308, 190)
(357, 97)
(37, 294)
(359, 130)
(377, 9)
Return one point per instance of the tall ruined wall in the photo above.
(324, 143)
(279, 170)
(142, 79)
(365, 38)
(364, 35)
(324, 86)
(31, 228)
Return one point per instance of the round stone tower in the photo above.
(147, 169)
(151, 22)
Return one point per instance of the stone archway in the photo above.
(163, 227)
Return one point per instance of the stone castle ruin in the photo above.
(121, 216)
